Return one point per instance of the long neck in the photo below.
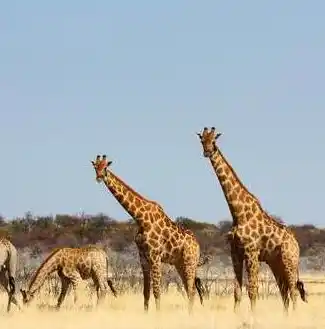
(37, 280)
(139, 208)
(241, 202)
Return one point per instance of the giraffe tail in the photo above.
(200, 289)
(302, 291)
(110, 284)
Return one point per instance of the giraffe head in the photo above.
(208, 140)
(100, 165)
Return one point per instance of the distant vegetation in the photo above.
(41, 233)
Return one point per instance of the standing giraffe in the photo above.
(159, 239)
(255, 235)
(8, 266)
(73, 265)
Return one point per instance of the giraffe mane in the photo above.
(54, 252)
(271, 218)
(134, 191)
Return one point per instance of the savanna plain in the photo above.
(126, 311)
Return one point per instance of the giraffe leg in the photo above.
(187, 274)
(290, 267)
(156, 281)
(65, 282)
(75, 279)
(252, 268)
(9, 285)
(238, 264)
(146, 281)
(290, 272)
(101, 286)
(278, 272)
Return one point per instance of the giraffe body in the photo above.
(73, 265)
(8, 268)
(255, 235)
(158, 239)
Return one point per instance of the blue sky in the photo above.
(137, 79)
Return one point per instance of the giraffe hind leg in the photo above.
(190, 282)
(282, 282)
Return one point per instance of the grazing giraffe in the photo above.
(255, 235)
(72, 265)
(8, 268)
(159, 239)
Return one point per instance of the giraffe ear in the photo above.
(93, 163)
(218, 135)
(109, 163)
(200, 136)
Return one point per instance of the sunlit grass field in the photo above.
(126, 311)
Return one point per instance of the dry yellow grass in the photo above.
(127, 312)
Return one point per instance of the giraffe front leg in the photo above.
(146, 281)
(252, 268)
(156, 281)
(238, 264)
(76, 280)
(64, 289)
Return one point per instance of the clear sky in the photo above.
(137, 79)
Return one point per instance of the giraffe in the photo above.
(8, 267)
(255, 235)
(73, 265)
(158, 239)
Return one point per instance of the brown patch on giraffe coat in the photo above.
(253, 223)
(137, 202)
(131, 197)
(222, 178)
(219, 171)
(268, 229)
(154, 243)
(238, 208)
(153, 235)
(242, 196)
(247, 230)
(166, 234)
(227, 186)
(260, 229)
(237, 189)
(249, 215)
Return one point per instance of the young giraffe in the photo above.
(8, 266)
(159, 239)
(255, 235)
(72, 265)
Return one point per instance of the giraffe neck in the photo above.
(139, 208)
(48, 266)
(240, 201)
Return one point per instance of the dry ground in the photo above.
(127, 312)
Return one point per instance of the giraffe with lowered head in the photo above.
(158, 239)
(73, 265)
(255, 235)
